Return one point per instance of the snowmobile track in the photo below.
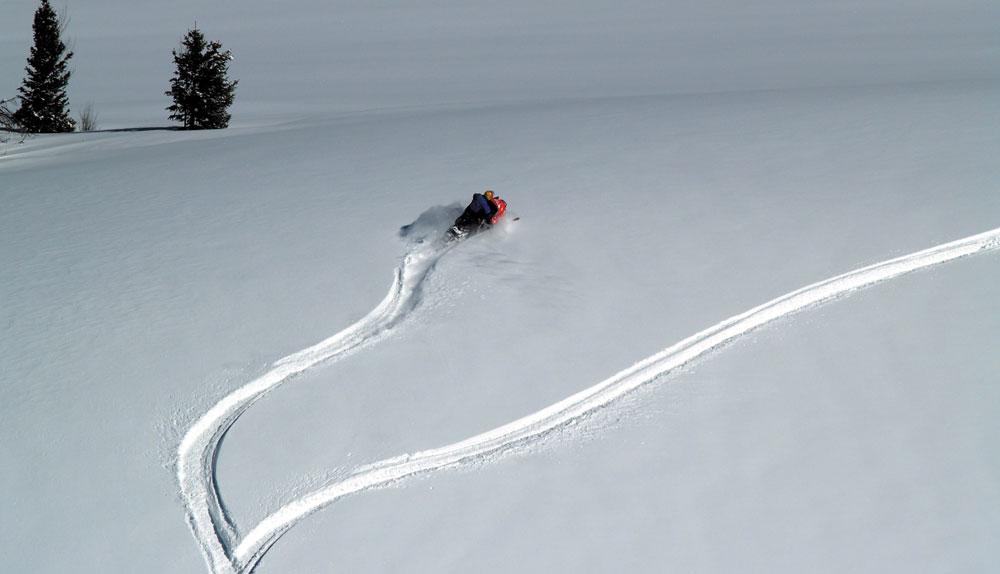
(197, 453)
(195, 467)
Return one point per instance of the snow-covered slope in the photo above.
(842, 439)
(197, 478)
(151, 274)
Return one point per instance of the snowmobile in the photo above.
(471, 222)
(462, 229)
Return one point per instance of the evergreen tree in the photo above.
(200, 89)
(44, 106)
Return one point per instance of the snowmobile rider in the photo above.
(486, 208)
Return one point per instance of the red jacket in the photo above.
(501, 206)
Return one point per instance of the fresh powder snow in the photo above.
(747, 319)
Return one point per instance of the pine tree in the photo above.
(44, 105)
(200, 88)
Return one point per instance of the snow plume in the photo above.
(195, 467)
(431, 222)
(196, 456)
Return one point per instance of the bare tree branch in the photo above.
(7, 121)
(8, 125)
(88, 118)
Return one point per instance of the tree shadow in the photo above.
(143, 129)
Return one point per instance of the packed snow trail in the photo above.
(529, 428)
(197, 452)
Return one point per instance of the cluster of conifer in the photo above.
(200, 88)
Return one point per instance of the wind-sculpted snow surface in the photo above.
(195, 467)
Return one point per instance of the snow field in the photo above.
(197, 451)
(155, 272)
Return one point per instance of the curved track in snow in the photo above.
(197, 452)
(195, 467)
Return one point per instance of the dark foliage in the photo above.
(44, 105)
(200, 89)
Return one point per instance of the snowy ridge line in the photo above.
(259, 540)
(196, 454)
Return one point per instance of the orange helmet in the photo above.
(489, 194)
